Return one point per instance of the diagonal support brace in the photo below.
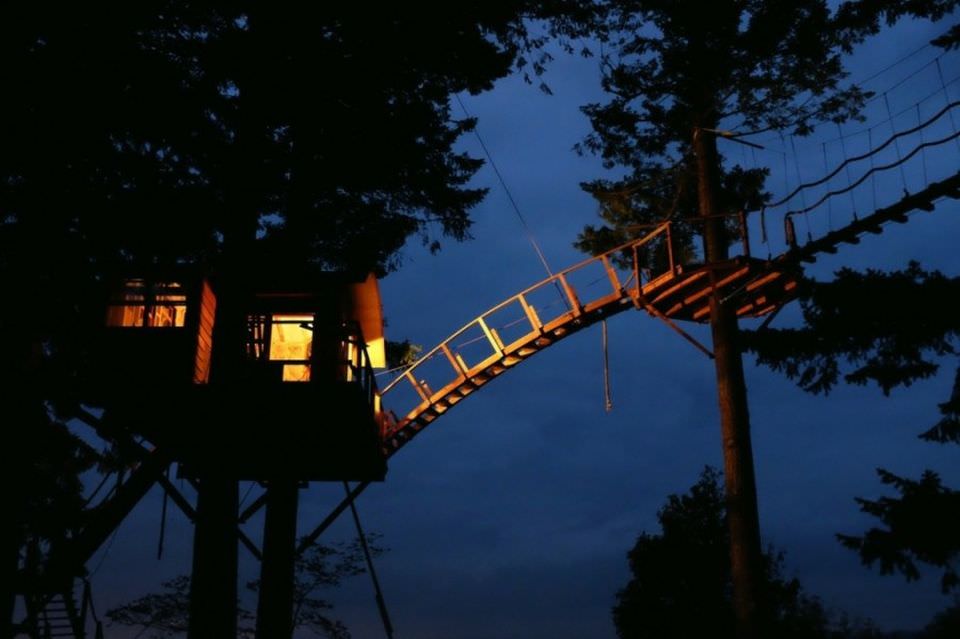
(641, 302)
(345, 503)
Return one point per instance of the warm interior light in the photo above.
(208, 311)
(291, 340)
(137, 304)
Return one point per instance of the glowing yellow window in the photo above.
(138, 304)
(291, 340)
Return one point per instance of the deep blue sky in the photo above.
(511, 515)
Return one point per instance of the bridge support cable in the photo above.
(368, 557)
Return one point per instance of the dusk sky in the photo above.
(511, 515)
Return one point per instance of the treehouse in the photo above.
(284, 388)
(158, 333)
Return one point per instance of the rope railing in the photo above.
(826, 178)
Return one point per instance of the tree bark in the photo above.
(746, 562)
(275, 598)
(213, 586)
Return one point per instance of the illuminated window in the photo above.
(155, 305)
(291, 341)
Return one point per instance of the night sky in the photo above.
(511, 515)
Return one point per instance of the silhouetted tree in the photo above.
(945, 624)
(677, 73)
(681, 581)
(164, 614)
(851, 333)
(848, 331)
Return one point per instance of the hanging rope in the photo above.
(381, 604)
(163, 518)
(607, 395)
(763, 229)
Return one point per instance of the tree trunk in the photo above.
(213, 585)
(746, 561)
(275, 599)
(213, 592)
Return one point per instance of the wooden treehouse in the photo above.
(285, 388)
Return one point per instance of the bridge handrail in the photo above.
(556, 277)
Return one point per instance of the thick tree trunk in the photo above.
(746, 561)
(213, 594)
(275, 602)
(213, 586)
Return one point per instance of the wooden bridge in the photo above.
(481, 351)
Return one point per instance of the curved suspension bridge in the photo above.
(480, 351)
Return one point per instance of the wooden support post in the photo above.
(531, 313)
(416, 386)
(275, 598)
(494, 341)
(570, 293)
(213, 585)
(456, 363)
(611, 273)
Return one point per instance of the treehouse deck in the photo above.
(258, 432)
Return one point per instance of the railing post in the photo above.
(497, 345)
(670, 247)
(571, 295)
(611, 273)
(453, 360)
(531, 314)
(416, 386)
